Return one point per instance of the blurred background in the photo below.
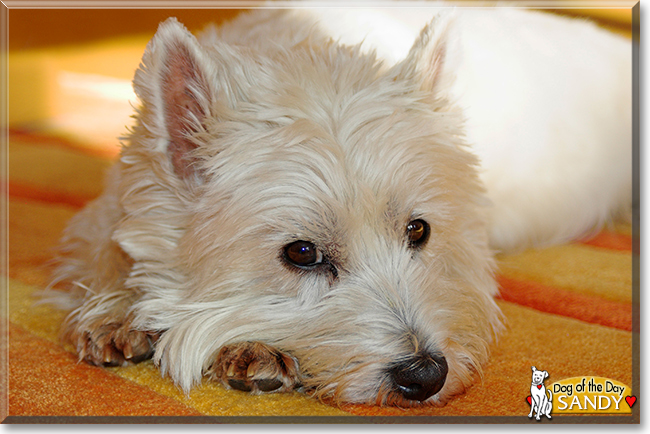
(70, 70)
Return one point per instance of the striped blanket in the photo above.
(568, 311)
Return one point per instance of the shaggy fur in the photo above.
(282, 127)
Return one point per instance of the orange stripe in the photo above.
(582, 307)
(22, 191)
(611, 241)
(34, 138)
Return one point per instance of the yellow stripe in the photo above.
(38, 319)
(214, 400)
(574, 267)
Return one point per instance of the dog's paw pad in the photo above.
(115, 345)
(254, 367)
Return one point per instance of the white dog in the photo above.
(540, 402)
(311, 198)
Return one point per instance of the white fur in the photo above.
(547, 103)
(301, 138)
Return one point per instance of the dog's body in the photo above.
(540, 401)
(291, 211)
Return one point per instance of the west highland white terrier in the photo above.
(311, 199)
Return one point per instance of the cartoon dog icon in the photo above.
(539, 401)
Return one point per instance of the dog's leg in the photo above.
(255, 367)
(540, 407)
(548, 404)
(99, 324)
(535, 407)
(109, 340)
(532, 407)
(91, 280)
(532, 403)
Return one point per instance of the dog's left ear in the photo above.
(430, 58)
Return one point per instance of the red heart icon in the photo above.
(630, 400)
(530, 400)
(539, 386)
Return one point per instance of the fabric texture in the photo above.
(568, 310)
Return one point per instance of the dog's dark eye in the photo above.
(303, 254)
(417, 232)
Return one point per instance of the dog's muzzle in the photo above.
(419, 377)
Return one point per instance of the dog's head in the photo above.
(539, 376)
(313, 199)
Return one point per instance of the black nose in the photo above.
(420, 377)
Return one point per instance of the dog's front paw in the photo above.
(115, 345)
(255, 367)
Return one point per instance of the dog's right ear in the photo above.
(178, 83)
(432, 57)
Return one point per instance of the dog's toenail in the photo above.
(231, 370)
(239, 385)
(108, 359)
(127, 351)
(269, 385)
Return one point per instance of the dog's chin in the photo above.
(395, 399)
(386, 397)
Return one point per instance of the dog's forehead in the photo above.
(340, 120)
(332, 143)
(370, 168)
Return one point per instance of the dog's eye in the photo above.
(417, 232)
(303, 254)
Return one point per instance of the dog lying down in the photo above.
(310, 199)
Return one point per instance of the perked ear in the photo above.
(430, 56)
(175, 83)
